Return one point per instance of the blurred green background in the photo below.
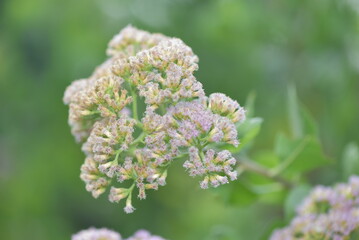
(243, 46)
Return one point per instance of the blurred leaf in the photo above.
(294, 198)
(267, 158)
(241, 195)
(247, 131)
(274, 224)
(309, 125)
(273, 197)
(249, 105)
(298, 156)
(221, 232)
(350, 160)
(354, 235)
(294, 114)
(301, 122)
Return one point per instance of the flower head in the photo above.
(144, 235)
(327, 213)
(96, 182)
(96, 234)
(155, 73)
(106, 234)
(216, 167)
(225, 106)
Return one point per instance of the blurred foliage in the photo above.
(266, 47)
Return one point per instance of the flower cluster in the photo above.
(327, 213)
(106, 234)
(153, 72)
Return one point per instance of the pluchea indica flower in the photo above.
(96, 234)
(127, 149)
(327, 213)
(106, 234)
(144, 235)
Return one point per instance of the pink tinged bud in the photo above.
(231, 161)
(129, 208)
(100, 158)
(162, 180)
(215, 136)
(214, 181)
(153, 186)
(232, 175)
(221, 179)
(108, 168)
(88, 177)
(96, 193)
(225, 106)
(123, 177)
(142, 193)
(204, 183)
(116, 194)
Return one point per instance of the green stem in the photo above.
(139, 138)
(132, 186)
(117, 155)
(134, 104)
(256, 168)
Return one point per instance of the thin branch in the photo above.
(256, 168)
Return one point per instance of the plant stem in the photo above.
(134, 104)
(117, 155)
(256, 168)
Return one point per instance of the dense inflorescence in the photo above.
(96, 234)
(327, 213)
(126, 149)
(106, 234)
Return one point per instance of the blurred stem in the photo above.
(251, 166)
(134, 104)
(139, 138)
(117, 155)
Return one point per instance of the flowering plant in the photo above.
(179, 120)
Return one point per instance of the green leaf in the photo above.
(294, 114)
(301, 122)
(308, 123)
(247, 131)
(294, 198)
(222, 232)
(266, 158)
(350, 160)
(241, 195)
(354, 235)
(249, 105)
(298, 156)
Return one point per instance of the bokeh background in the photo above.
(243, 46)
